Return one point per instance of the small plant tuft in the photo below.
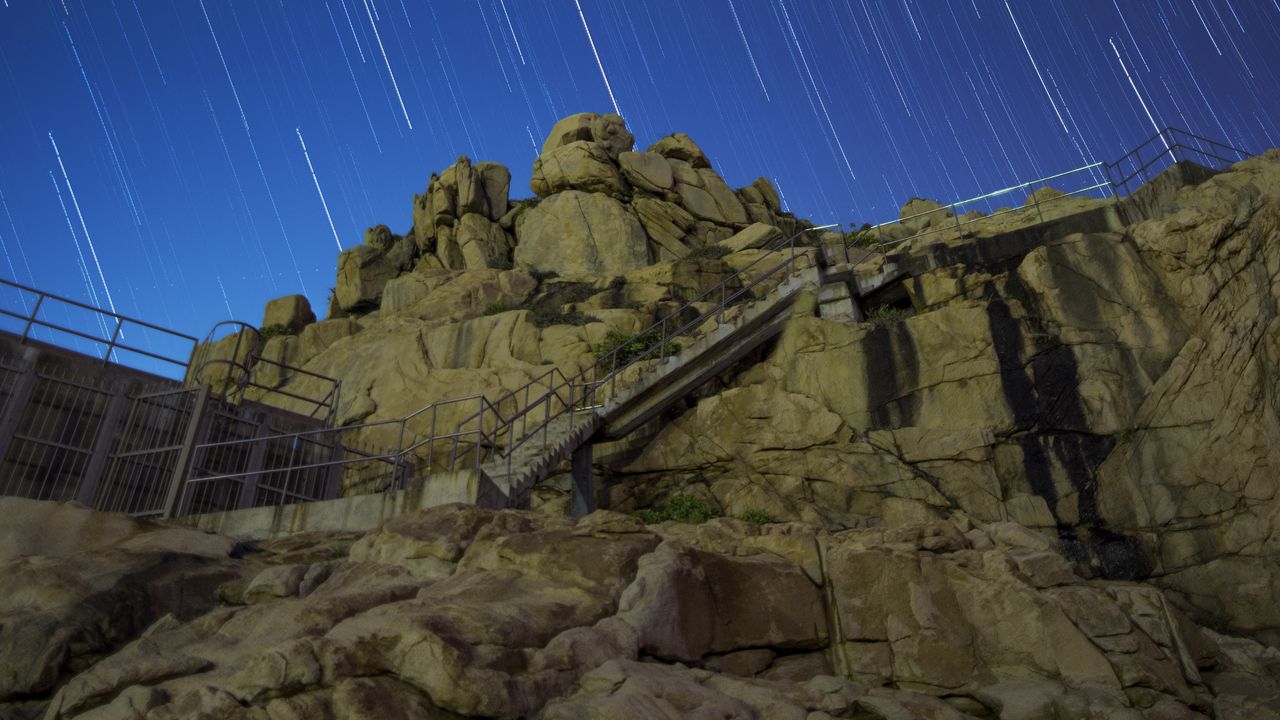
(886, 314)
(759, 517)
(546, 317)
(630, 347)
(271, 331)
(708, 252)
(681, 509)
(495, 308)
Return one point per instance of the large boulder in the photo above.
(679, 146)
(496, 180)
(580, 165)
(608, 130)
(362, 273)
(291, 312)
(668, 226)
(647, 171)
(574, 233)
(482, 242)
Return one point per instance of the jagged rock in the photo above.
(608, 131)
(462, 611)
(292, 312)
(727, 202)
(920, 214)
(496, 180)
(581, 165)
(451, 295)
(482, 242)
(648, 171)
(362, 273)
(756, 235)
(679, 146)
(580, 234)
(666, 224)
(768, 192)
(379, 236)
(82, 583)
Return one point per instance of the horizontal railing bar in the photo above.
(86, 336)
(100, 311)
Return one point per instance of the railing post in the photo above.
(111, 346)
(93, 473)
(34, 311)
(479, 431)
(431, 447)
(180, 469)
(16, 407)
(1036, 199)
(257, 451)
(662, 348)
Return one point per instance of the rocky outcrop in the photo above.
(1114, 391)
(461, 611)
(291, 313)
(579, 234)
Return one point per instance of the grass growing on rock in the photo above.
(679, 508)
(759, 517)
(621, 348)
(271, 331)
(886, 314)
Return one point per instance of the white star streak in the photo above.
(750, 57)
(513, 30)
(1036, 68)
(1141, 102)
(85, 228)
(377, 36)
(599, 64)
(316, 180)
(253, 147)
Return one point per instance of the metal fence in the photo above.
(1037, 201)
(169, 449)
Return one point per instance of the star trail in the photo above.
(195, 193)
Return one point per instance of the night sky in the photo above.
(186, 160)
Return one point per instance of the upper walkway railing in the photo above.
(1027, 203)
(112, 336)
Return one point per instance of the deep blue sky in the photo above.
(179, 123)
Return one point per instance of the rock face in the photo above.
(1115, 391)
(581, 234)
(1088, 427)
(291, 312)
(464, 612)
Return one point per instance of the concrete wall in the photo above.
(350, 514)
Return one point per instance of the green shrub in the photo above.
(632, 347)
(710, 252)
(495, 308)
(546, 317)
(886, 314)
(863, 238)
(759, 517)
(271, 331)
(681, 509)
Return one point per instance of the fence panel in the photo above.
(146, 451)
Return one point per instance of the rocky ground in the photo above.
(463, 612)
(1033, 485)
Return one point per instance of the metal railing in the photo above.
(113, 327)
(522, 418)
(239, 370)
(1106, 179)
(1173, 145)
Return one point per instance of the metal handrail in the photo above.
(253, 356)
(493, 426)
(112, 344)
(587, 379)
